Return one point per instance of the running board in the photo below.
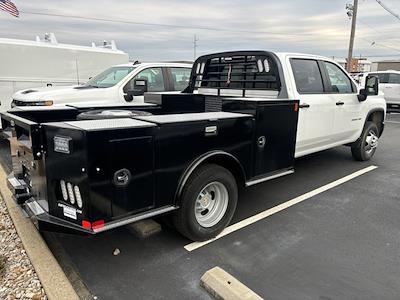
(270, 177)
(132, 219)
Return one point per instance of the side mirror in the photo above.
(139, 88)
(371, 88)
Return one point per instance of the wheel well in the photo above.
(222, 159)
(229, 163)
(377, 117)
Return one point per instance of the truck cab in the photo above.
(119, 84)
(331, 113)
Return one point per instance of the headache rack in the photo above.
(239, 71)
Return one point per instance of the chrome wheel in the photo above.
(371, 142)
(211, 204)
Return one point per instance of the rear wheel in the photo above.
(207, 203)
(364, 148)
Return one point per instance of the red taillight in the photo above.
(86, 224)
(98, 224)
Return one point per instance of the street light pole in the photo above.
(353, 32)
(195, 40)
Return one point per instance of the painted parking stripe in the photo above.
(280, 207)
(394, 122)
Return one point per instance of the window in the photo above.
(383, 77)
(109, 77)
(307, 76)
(339, 82)
(154, 77)
(180, 78)
(394, 78)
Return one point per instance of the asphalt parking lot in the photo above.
(341, 244)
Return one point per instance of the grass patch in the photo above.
(2, 264)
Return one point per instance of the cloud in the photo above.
(316, 26)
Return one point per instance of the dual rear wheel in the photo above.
(207, 203)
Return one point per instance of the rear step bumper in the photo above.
(32, 209)
(47, 222)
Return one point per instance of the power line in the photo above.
(162, 24)
(388, 9)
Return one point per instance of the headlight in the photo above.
(42, 103)
(31, 103)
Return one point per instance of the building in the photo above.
(358, 65)
(386, 65)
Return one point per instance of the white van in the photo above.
(389, 83)
(117, 85)
(45, 62)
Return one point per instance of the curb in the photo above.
(223, 286)
(52, 277)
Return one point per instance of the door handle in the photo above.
(339, 103)
(304, 105)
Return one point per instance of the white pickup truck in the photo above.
(120, 84)
(243, 119)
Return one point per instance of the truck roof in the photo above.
(28, 43)
(314, 56)
(149, 64)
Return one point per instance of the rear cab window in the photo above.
(307, 76)
(394, 78)
(180, 78)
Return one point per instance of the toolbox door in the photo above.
(131, 163)
(275, 137)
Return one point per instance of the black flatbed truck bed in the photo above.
(91, 175)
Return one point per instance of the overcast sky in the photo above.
(312, 26)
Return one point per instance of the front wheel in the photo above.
(364, 148)
(207, 203)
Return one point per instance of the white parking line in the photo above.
(280, 207)
(394, 122)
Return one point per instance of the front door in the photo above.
(155, 83)
(316, 108)
(343, 92)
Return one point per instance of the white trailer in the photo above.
(28, 64)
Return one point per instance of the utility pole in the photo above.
(195, 40)
(352, 12)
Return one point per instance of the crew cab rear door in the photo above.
(316, 114)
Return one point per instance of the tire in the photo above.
(210, 217)
(101, 114)
(364, 148)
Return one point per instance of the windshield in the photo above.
(110, 77)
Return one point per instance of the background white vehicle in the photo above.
(117, 85)
(26, 64)
(389, 84)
